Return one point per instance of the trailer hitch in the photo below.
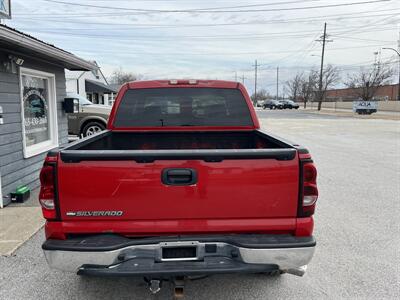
(179, 284)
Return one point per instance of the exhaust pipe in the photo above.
(300, 271)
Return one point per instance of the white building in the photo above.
(92, 84)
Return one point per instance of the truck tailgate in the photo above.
(129, 190)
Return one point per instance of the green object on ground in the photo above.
(22, 189)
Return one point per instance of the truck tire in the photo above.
(92, 128)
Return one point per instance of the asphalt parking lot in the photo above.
(357, 227)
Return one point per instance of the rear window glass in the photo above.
(183, 107)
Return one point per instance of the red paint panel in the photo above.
(304, 226)
(58, 230)
(232, 189)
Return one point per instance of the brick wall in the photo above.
(389, 91)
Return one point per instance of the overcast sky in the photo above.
(214, 39)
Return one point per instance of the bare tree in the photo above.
(293, 86)
(330, 76)
(261, 95)
(366, 82)
(308, 87)
(119, 76)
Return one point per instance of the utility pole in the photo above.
(255, 80)
(242, 78)
(323, 40)
(277, 83)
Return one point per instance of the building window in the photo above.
(38, 111)
(111, 99)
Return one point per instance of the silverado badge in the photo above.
(98, 213)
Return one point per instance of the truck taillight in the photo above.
(309, 190)
(47, 193)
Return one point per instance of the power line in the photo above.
(220, 37)
(360, 39)
(129, 26)
(223, 53)
(277, 35)
(273, 83)
(310, 47)
(189, 10)
(338, 66)
(216, 11)
(56, 18)
(226, 36)
(361, 28)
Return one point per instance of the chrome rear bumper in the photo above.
(140, 258)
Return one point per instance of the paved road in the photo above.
(357, 227)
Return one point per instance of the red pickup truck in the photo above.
(182, 183)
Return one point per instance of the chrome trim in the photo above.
(178, 244)
(286, 258)
(289, 260)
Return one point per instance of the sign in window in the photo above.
(38, 112)
(36, 109)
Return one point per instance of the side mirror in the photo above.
(71, 105)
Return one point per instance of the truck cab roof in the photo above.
(182, 82)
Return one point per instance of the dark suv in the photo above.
(290, 104)
(272, 104)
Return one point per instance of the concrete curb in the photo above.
(343, 113)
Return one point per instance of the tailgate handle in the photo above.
(179, 176)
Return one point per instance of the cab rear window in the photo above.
(182, 107)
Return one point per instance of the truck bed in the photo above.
(149, 146)
(181, 141)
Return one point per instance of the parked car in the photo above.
(90, 118)
(259, 103)
(290, 104)
(176, 187)
(273, 104)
